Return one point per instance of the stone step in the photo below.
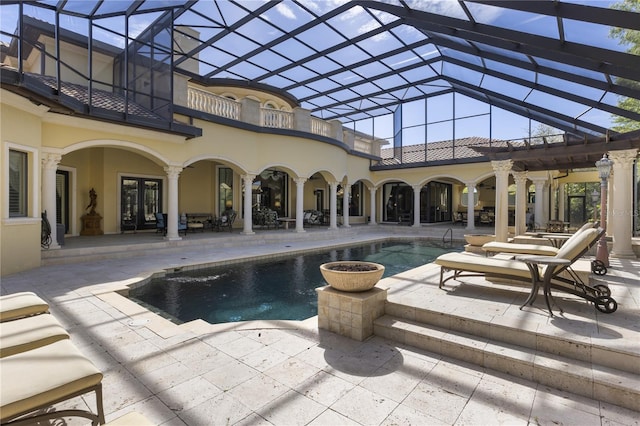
(580, 377)
(568, 345)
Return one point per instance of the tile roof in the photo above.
(99, 98)
(439, 151)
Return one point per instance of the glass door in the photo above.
(62, 199)
(140, 199)
(577, 211)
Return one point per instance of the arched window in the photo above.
(465, 197)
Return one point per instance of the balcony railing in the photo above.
(320, 127)
(201, 100)
(275, 118)
(204, 101)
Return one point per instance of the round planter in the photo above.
(349, 278)
(479, 239)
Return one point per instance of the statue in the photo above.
(91, 221)
(93, 202)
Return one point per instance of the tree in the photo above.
(630, 38)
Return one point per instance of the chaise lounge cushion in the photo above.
(29, 333)
(33, 380)
(23, 304)
(537, 249)
(482, 265)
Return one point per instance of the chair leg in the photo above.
(99, 404)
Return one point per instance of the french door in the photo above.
(140, 199)
(62, 200)
(577, 210)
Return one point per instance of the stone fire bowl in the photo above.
(352, 281)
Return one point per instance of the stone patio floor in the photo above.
(287, 372)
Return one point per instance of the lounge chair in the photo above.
(34, 380)
(550, 277)
(558, 240)
(537, 249)
(28, 333)
(19, 305)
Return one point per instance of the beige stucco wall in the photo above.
(20, 236)
(100, 153)
(75, 58)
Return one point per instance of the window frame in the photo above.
(32, 176)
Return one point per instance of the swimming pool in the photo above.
(273, 289)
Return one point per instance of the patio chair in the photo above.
(549, 276)
(271, 219)
(226, 220)
(161, 223)
(485, 218)
(183, 225)
(20, 305)
(34, 380)
(28, 333)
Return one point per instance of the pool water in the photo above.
(280, 289)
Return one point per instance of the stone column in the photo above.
(346, 193)
(553, 206)
(502, 169)
(333, 203)
(521, 202)
(538, 214)
(300, 204)
(416, 205)
(621, 217)
(561, 202)
(372, 205)
(336, 130)
(250, 111)
(471, 203)
(173, 173)
(248, 213)
(302, 119)
(49, 164)
(545, 202)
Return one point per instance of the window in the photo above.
(512, 194)
(465, 194)
(225, 189)
(18, 185)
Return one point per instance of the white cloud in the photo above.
(285, 11)
(415, 58)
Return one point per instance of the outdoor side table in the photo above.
(532, 263)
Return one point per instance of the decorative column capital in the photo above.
(173, 172)
(519, 177)
(502, 165)
(624, 158)
(300, 180)
(538, 181)
(50, 160)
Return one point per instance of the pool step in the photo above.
(548, 364)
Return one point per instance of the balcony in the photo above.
(249, 111)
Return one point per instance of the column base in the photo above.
(624, 255)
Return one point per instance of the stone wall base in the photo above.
(350, 314)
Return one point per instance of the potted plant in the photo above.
(352, 275)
